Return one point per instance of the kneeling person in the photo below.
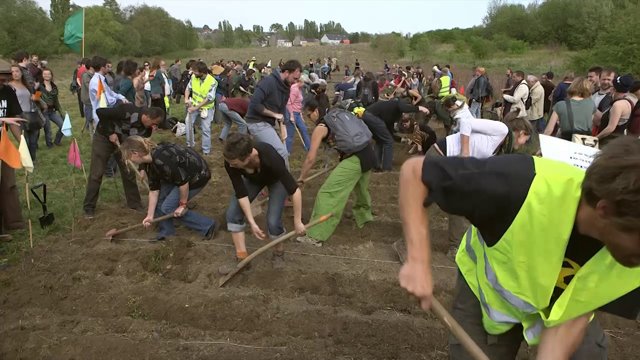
(176, 174)
(352, 139)
(251, 167)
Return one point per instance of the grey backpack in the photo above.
(351, 134)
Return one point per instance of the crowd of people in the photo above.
(518, 223)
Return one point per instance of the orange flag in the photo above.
(102, 98)
(73, 157)
(8, 152)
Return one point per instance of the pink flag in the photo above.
(73, 158)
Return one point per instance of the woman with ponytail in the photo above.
(176, 174)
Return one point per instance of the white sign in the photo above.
(566, 151)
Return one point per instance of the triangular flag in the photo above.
(73, 157)
(66, 125)
(102, 98)
(8, 151)
(25, 156)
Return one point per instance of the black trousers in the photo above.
(466, 310)
(101, 151)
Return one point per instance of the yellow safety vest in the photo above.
(515, 278)
(445, 88)
(201, 88)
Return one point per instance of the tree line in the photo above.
(598, 31)
(109, 30)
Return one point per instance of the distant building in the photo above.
(334, 39)
(278, 41)
(300, 41)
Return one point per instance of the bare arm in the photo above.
(552, 123)
(614, 118)
(560, 342)
(319, 133)
(415, 274)
(465, 150)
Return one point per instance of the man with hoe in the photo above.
(549, 245)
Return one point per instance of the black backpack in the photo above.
(529, 101)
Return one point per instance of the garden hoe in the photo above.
(114, 232)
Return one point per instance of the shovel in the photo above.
(47, 218)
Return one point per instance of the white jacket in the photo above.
(519, 98)
(537, 102)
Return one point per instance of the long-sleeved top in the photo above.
(239, 105)
(177, 165)
(127, 90)
(111, 97)
(84, 87)
(174, 72)
(548, 87)
(295, 99)
(479, 89)
(272, 94)
(272, 169)
(29, 79)
(519, 98)
(50, 98)
(536, 111)
(391, 111)
(124, 120)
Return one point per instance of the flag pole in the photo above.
(83, 32)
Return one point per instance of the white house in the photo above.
(332, 39)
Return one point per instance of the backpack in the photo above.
(633, 127)
(351, 134)
(529, 101)
(366, 97)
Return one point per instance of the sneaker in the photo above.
(212, 232)
(309, 240)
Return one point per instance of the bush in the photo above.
(480, 48)
(208, 45)
(392, 44)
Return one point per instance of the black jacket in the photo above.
(123, 119)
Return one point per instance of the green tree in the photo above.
(114, 7)
(258, 30)
(291, 31)
(394, 44)
(103, 38)
(59, 11)
(42, 39)
(276, 28)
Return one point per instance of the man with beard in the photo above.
(268, 105)
(603, 98)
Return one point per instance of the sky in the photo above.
(373, 16)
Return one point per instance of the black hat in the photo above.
(623, 83)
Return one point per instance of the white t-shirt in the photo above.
(484, 137)
(147, 84)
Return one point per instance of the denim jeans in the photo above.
(539, 125)
(88, 119)
(52, 116)
(168, 202)
(205, 126)
(31, 136)
(476, 109)
(384, 140)
(264, 132)
(291, 130)
(277, 195)
(229, 117)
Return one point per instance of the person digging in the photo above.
(350, 136)
(176, 175)
(252, 166)
(548, 246)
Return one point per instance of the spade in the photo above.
(47, 218)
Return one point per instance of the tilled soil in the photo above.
(88, 298)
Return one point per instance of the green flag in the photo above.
(74, 30)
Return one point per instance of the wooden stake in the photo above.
(27, 195)
(273, 243)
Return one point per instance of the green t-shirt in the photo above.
(583, 111)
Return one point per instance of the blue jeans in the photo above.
(264, 132)
(168, 202)
(205, 126)
(277, 195)
(229, 117)
(291, 130)
(52, 116)
(384, 141)
(476, 109)
(539, 125)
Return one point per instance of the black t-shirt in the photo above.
(9, 104)
(272, 169)
(367, 156)
(122, 119)
(490, 193)
(177, 165)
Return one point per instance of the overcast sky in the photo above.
(373, 16)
